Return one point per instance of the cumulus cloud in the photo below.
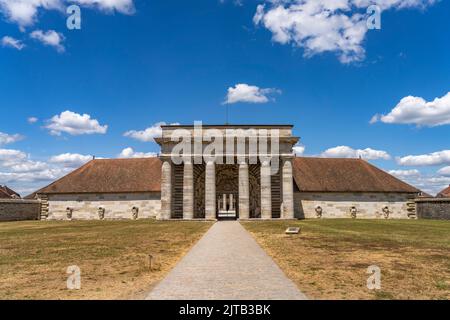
(249, 94)
(430, 159)
(430, 183)
(416, 110)
(347, 152)
(24, 174)
(405, 173)
(32, 120)
(11, 42)
(40, 176)
(74, 124)
(25, 12)
(445, 171)
(299, 149)
(130, 153)
(148, 134)
(319, 26)
(70, 160)
(50, 38)
(10, 157)
(27, 166)
(122, 6)
(9, 138)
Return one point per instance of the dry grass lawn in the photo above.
(112, 255)
(329, 259)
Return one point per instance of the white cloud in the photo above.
(25, 12)
(431, 159)
(405, 173)
(32, 120)
(26, 175)
(416, 110)
(10, 155)
(430, 183)
(11, 42)
(28, 166)
(122, 6)
(70, 160)
(319, 26)
(130, 153)
(299, 149)
(9, 138)
(445, 171)
(249, 94)
(33, 176)
(18, 161)
(50, 38)
(148, 134)
(347, 152)
(74, 124)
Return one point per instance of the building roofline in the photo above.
(229, 125)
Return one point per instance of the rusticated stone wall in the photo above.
(338, 205)
(116, 206)
(433, 208)
(18, 210)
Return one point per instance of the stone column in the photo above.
(188, 190)
(166, 191)
(288, 191)
(210, 190)
(244, 196)
(266, 191)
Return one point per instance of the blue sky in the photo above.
(137, 63)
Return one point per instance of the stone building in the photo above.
(7, 193)
(255, 175)
(444, 193)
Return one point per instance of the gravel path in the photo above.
(226, 264)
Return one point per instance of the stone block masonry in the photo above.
(433, 208)
(339, 205)
(19, 210)
(116, 206)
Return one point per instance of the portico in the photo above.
(227, 171)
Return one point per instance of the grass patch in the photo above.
(112, 255)
(329, 259)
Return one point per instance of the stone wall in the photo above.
(18, 210)
(433, 208)
(117, 206)
(338, 205)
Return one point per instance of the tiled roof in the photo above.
(111, 176)
(7, 193)
(444, 193)
(310, 175)
(344, 175)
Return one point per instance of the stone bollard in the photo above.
(153, 263)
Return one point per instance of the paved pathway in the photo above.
(225, 264)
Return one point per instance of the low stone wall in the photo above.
(433, 208)
(338, 205)
(116, 206)
(18, 210)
